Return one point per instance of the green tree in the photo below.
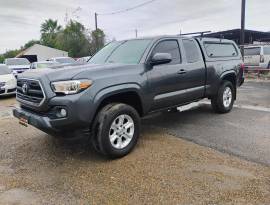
(74, 40)
(30, 43)
(97, 40)
(49, 31)
(9, 54)
(2, 58)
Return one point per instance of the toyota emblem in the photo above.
(24, 88)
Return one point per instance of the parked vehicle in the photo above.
(17, 65)
(7, 81)
(63, 60)
(125, 81)
(257, 56)
(43, 64)
(83, 59)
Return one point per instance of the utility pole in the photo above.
(96, 21)
(242, 33)
(136, 33)
(96, 37)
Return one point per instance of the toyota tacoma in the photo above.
(126, 80)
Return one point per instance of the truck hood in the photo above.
(70, 72)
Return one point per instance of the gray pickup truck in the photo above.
(126, 80)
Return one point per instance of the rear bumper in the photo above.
(261, 65)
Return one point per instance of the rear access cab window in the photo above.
(192, 51)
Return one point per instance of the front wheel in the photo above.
(224, 100)
(117, 129)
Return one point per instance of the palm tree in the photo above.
(50, 26)
(49, 30)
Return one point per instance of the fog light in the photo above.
(61, 113)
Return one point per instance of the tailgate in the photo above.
(252, 60)
(252, 56)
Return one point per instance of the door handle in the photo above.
(181, 72)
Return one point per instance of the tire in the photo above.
(116, 130)
(224, 100)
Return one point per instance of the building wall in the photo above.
(44, 53)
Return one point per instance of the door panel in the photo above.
(164, 79)
(166, 85)
(179, 82)
(194, 81)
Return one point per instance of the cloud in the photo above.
(20, 19)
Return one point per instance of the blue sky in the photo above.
(20, 19)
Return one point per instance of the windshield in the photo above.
(65, 60)
(127, 52)
(17, 61)
(252, 51)
(44, 65)
(4, 70)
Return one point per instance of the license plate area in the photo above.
(24, 120)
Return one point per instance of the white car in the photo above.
(257, 56)
(43, 64)
(17, 65)
(63, 60)
(8, 82)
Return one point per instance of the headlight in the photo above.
(11, 82)
(71, 86)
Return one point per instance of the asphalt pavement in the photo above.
(35, 168)
(244, 132)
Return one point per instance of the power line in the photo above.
(128, 9)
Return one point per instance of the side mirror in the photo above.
(161, 58)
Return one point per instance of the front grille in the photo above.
(30, 91)
(11, 90)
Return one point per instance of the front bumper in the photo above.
(40, 122)
(61, 128)
(8, 90)
(80, 111)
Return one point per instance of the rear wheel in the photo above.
(224, 100)
(117, 128)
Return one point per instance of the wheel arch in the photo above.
(231, 77)
(128, 93)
